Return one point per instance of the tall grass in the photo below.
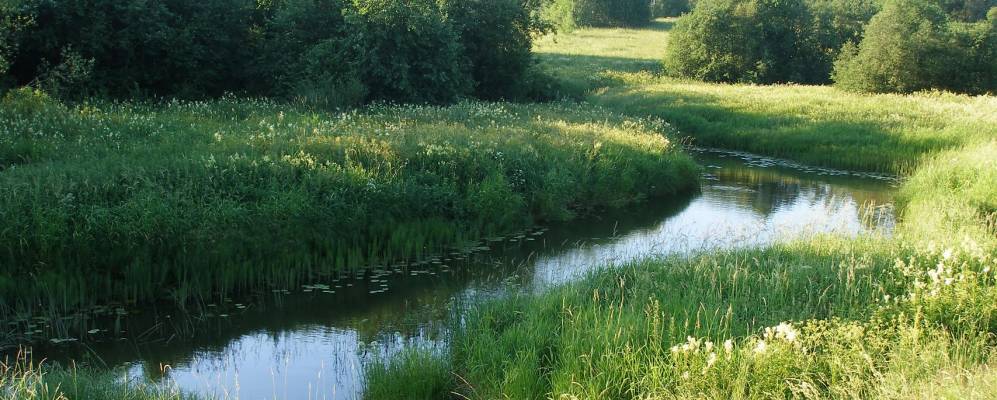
(129, 202)
(913, 315)
(818, 125)
(22, 378)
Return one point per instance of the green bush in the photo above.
(568, 14)
(331, 53)
(137, 47)
(968, 10)
(497, 36)
(758, 41)
(612, 12)
(670, 8)
(912, 46)
(409, 52)
(837, 22)
(305, 54)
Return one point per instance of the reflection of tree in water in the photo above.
(774, 189)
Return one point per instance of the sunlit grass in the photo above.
(127, 202)
(22, 378)
(910, 316)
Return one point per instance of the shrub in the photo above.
(911, 46)
(758, 41)
(409, 51)
(611, 12)
(837, 22)
(559, 13)
(13, 20)
(568, 14)
(669, 8)
(497, 36)
(968, 10)
(328, 52)
(183, 47)
(305, 54)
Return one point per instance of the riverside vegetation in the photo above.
(901, 317)
(911, 316)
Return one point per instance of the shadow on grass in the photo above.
(860, 142)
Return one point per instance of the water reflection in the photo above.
(313, 345)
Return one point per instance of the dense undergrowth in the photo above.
(131, 202)
(908, 316)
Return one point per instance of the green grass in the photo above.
(129, 202)
(23, 379)
(911, 316)
(817, 125)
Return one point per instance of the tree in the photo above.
(911, 46)
(758, 41)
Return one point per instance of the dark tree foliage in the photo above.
(611, 12)
(837, 22)
(408, 51)
(124, 47)
(670, 8)
(329, 52)
(758, 41)
(968, 10)
(497, 36)
(13, 20)
(911, 45)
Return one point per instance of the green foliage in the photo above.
(837, 22)
(13, 20)
(497, 36)
(670, 8)
(330, 53)
(137, 47)
(24, 379)
(912, 46)
(611, 12)
(560, 13)
(409, 52)
(305, 53)
(758, 41)
(968, 10)
(569, 14)
(183, 200)
(412, 374)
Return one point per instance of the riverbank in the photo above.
(910, 316)
(829, 317)
(111, 204)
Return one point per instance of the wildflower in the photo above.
(947, 254)
(761, 347)
(729, 345)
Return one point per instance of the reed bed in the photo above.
(118, 203)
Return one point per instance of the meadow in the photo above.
(908, 316)
(123, 203)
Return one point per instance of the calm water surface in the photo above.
(312, 342)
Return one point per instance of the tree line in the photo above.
(863, 45)
(334, 52)
(329, 52)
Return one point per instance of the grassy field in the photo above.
(124, 202)
(912, 316)
(818, 125)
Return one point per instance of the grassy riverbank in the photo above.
(125, 202)
(911, 316)
(903, 317)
